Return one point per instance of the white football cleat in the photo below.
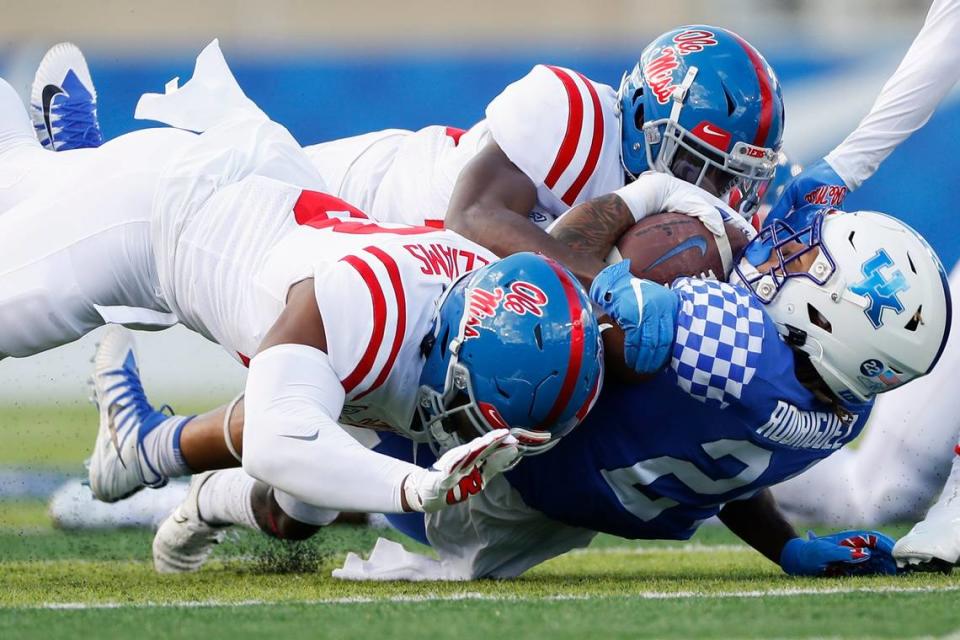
(118, 468)
(63, 101)
(73, 507)
(934, 543)
(184, 541)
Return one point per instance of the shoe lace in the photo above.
(77, 125)
(135, 415)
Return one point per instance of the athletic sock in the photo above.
(225, 498)
(160, 448)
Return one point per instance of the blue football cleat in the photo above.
(119, 466)
(63, 102)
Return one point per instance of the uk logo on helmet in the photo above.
(880, 290)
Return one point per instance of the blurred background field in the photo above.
(330, 69)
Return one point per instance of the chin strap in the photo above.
(227, 439)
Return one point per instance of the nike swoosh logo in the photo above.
(693, 242)
(46, 100)
(712, 132)
(309, 438)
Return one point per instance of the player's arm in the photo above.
(759, 522)
(491, 203)
(930, 68)
(291, 439)
(645, 311)
(592, 228)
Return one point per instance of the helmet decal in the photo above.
(659, 70)
(480, 304)
(516, 345)
(881, 292)
(524, 297)
(659, 74)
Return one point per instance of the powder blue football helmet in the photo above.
(703, 105)
(515, 345)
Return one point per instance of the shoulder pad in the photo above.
(550, 123)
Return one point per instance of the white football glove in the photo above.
(654, 192)
(461, 472)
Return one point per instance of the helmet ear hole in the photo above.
(915, 320)
(638, 115)
(818, 319)
(538, 336)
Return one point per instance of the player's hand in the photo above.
(817, 184)
(846, 553)
(461, 472)
(646, 311)
(653, 193)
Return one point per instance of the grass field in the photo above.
(55, 584)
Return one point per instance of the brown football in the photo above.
(668, 246)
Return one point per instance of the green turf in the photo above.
(257, 589)
(614, 589)
(859, 615)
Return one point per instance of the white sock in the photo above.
(225, 498)
(162, 448)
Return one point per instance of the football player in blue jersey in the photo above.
(767, 376)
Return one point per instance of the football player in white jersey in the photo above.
(231, 240)
(682, 63)
(555, 139)
(713, 129)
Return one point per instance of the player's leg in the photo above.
(219, 499)
(934, 542)
(21, 156)
(66, 258)
(139, 446)
(15, 127)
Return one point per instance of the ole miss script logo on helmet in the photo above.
(658, 71)
(522, 298)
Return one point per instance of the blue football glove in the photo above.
(817, 184)
(646, 311)
(846, 553)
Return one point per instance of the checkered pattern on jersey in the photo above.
(719, 338)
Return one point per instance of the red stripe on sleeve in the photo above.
(766, 92)
(365, 365)
(313, 207)
(394, 272)
(595, 145)
(455, 133)
(574, 124)
(576, 345)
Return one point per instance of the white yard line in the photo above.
(693, 547)
(489, 597)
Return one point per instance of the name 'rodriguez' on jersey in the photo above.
(725, 419)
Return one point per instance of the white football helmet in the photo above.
(872, 310)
